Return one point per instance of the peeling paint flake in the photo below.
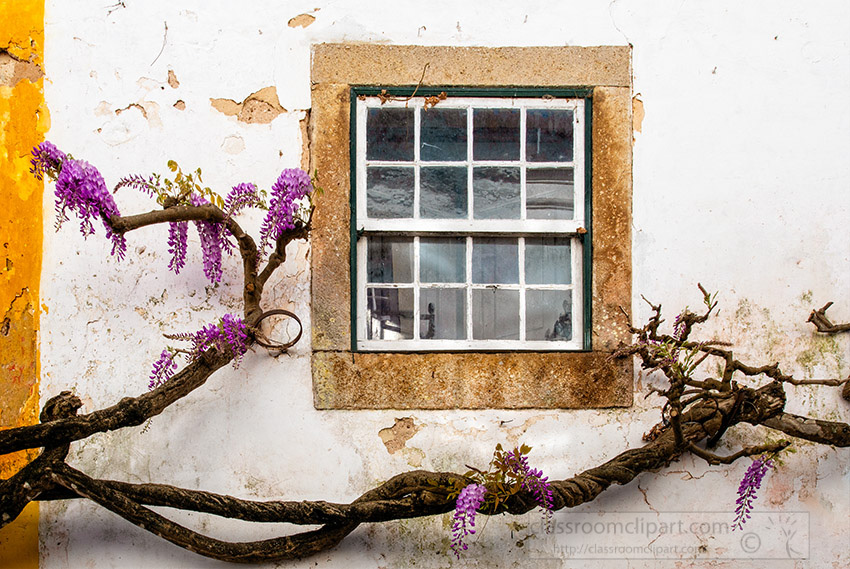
(14, 70)
(260, 107)
(637, 113)
(301, 21)
(395, 437)
(172, 79)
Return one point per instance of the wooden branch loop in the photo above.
(270, 344)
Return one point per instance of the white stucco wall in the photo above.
(741, 179)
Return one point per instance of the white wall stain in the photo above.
(739, 183)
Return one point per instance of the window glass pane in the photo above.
(548, 315)
(549, 193)
(442, 313)
(443, 193)
(443, 135)
(442, 260)
(389, 313)
(495, 134)
(389, 192)
(495, 193)
(390, 260)
(495, 261)
(549, 135)
(389, 134)
(547, 260)
(495, 314)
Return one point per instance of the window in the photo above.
(429, 256)
(470, 218)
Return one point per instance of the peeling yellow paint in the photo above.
(23, 122)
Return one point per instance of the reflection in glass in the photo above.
(389, 313)
(389, 192)
(495, 134)
(442, 313)
(547, 260)
(495, 260)
(549, 135)
(495, 314)
(549, 193)
(442, 260)
(390, 260)
(443, 135)
(442, 192)
(548, 315)
(495, 193)
(389, 134)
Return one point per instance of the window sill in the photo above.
(469, 380)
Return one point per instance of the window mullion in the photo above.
(469, 288)
(522, 165)
(417, 121)
(521, 261)
(416, 288)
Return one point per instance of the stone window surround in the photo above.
(345, 379)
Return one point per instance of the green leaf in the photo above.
(172, 165)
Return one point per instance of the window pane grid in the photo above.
(519, 315)
(470, 163)
(390, 313)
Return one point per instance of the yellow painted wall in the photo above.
(23, 121)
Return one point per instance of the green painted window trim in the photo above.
(582, 92)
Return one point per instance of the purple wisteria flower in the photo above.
(463, 521)
(178, 243)
(241, 196)
(163, 369)
(80, 188)
(141, 183)
(291, 187)
(748, 488)
(532, 481)
(213, 242)
(46, 159)
(229, 335)
(679, 326)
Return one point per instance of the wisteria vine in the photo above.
(80, 188)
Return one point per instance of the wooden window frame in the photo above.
(576, 229)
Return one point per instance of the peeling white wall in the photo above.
(741, 179)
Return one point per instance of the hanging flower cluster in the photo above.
(291, 187)
(531, 480)
(213, 241)
(46, 160)
(79, 188)
(178, 245)
(163, 369)
(509, 473)
(229, 335)
(463, 520)
(748, 488)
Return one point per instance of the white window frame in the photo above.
(469, 228)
